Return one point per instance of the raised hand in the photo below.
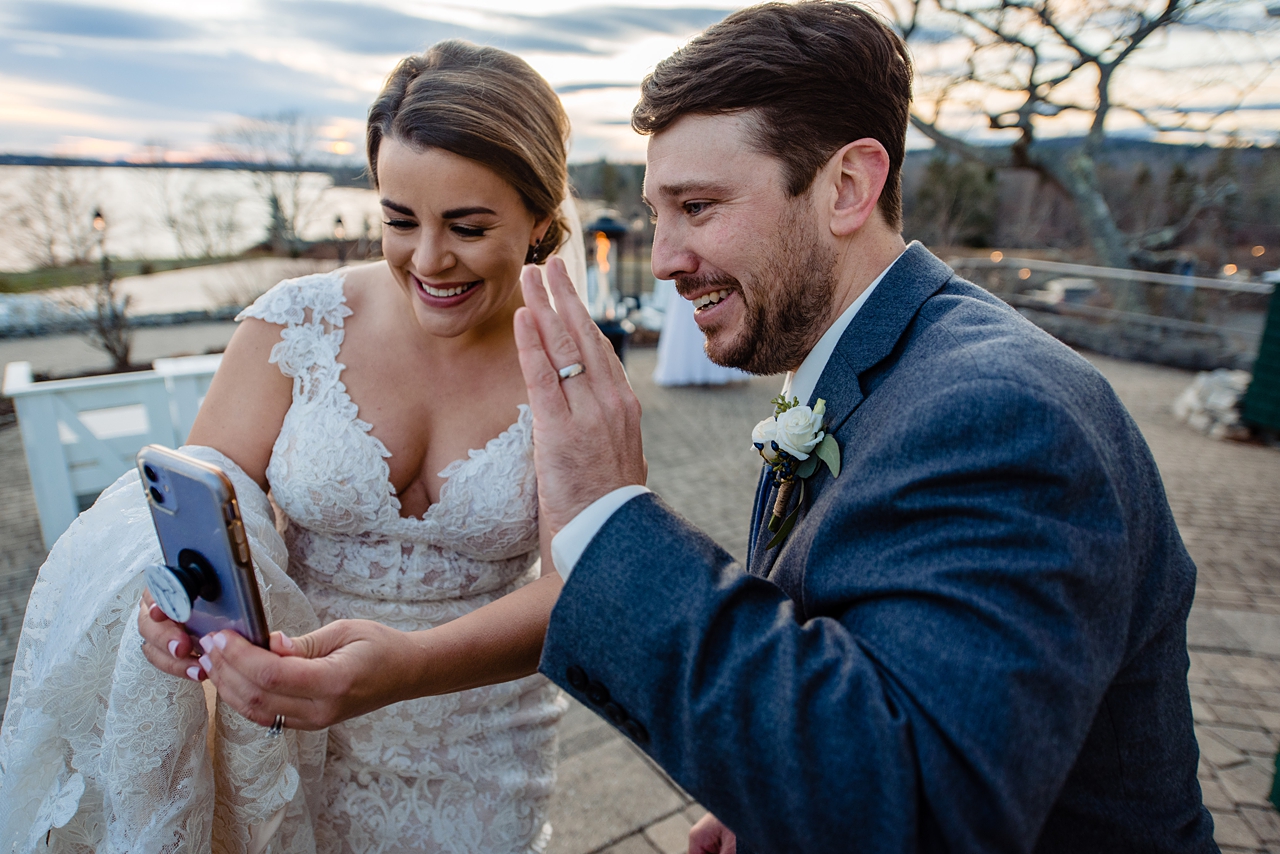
(586, 428)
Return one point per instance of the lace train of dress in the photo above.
(100, 752)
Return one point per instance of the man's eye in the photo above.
(695, 208)
(400, 224)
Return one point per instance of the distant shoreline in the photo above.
(343, 175)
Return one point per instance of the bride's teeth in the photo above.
(446, 292)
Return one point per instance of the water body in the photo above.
(165, 213)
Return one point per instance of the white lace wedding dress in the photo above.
(101, 753)
(465, 772)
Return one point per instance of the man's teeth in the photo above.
(447, 292)
(709, 299)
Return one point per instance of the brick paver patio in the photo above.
(1225, 497)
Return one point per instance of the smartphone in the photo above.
(206, 581)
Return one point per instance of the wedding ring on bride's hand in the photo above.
(570, 371)
(277, 727)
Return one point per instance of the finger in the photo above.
(161, 635)
(283, 645)
(546, 398)
(597, 353)
(561, 349)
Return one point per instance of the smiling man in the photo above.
(974, 636)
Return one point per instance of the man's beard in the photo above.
(783, 323)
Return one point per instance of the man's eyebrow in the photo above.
(691, 188)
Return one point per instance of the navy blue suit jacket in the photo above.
(973, 640)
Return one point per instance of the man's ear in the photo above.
(856, 175)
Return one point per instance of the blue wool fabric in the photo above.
(974, 639)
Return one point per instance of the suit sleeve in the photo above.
(963, 612)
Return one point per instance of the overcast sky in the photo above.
(100, 78)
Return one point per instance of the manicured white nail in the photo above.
(286, 641)
(173, 648)
(194, 673)
(220, 641)
(206, 664)
(206, 643)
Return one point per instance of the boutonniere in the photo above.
(793, 442)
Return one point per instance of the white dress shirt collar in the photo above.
(803, 380)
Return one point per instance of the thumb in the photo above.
(317, 644)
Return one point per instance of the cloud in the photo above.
(377, 30)
(166, 83)
(614, 23)
(68, 19)
(570, 88)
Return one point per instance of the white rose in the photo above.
(763, 434)
(799, 430)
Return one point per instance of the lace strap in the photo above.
(311, 310)
(311, 300)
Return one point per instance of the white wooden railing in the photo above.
(79, 435)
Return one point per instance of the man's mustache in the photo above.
(687, 285)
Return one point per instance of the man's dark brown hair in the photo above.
(821, 74)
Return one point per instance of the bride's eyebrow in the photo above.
(458, 213)
(398, 208)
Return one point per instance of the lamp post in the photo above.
(340, 236)
(111, 320)
(100, 226)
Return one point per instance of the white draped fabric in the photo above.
(100, 752)
(682, 357)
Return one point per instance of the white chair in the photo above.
(79, 435)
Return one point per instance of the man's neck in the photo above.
(860, 263)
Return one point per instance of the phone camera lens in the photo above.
(150, 473)
(156, 496)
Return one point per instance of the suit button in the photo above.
(577, 677)
(597, 693)
(614, 713)
(636, 730)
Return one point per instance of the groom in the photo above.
(973, 639)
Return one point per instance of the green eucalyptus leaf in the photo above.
(784, 529)
(808, 467)
(829, 452)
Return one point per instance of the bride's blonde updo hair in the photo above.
(486, 105)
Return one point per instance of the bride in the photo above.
(384, 409)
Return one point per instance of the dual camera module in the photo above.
(154, 480)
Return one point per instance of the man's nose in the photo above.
(670, 256)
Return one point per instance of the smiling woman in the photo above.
(384, 409)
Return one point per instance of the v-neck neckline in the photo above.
(380, 449)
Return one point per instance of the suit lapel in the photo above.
(764, 494)
(876, 330)
(869, 339)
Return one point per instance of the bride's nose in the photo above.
(432, 254)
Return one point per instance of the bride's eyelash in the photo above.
(469, 230)
(398, 223)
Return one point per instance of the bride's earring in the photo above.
(531, 257)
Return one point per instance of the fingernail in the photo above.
(206, 664)
(220, 641)
(154, 612)
(286, 641)
(194, 673)
(173, 648)
(206, 643)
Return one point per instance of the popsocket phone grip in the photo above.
(175, 587)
